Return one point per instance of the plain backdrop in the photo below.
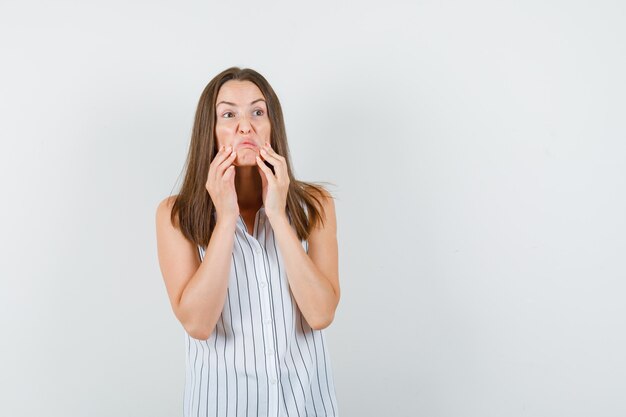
(478, 153)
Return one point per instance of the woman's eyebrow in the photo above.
(233, 104)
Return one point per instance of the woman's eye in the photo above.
(258, 112)
(227, 113)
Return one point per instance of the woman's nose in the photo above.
(244, 126)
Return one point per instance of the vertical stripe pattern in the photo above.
(262, 359)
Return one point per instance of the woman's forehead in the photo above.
(239, 92)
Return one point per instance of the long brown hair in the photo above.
(193, 207)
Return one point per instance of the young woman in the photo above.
(249, 259)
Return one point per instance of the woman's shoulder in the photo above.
(167, 204)
(168, 201)
(164, 208)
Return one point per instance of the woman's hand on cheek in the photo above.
(275, 186)
(220, 184)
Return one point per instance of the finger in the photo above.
(269, 176)
(226, 163)
(230, 173)
(222, 154)
(276, 160)
(261, 172)
(219, 156)
(223, 168)
(271, 152)
(221, 162)
(268, 153)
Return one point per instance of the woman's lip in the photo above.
(247, 144)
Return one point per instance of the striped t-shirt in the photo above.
(262, 359)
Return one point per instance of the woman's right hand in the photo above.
(221, 184)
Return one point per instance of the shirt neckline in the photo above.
(241, 223)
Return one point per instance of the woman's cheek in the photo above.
(221, 137)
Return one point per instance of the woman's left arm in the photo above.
(313, 277)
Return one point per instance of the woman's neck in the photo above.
(249, 188)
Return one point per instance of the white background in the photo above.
(478, 151)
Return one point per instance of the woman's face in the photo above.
(242, 120)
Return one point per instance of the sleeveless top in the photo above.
(262, 358)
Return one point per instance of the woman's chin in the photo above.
(246, 159)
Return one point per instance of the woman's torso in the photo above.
(262, 359)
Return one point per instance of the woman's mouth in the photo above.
(247, 145)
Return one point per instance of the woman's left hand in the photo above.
(275, 186)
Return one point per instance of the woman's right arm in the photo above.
(197, 290)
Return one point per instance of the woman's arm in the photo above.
(313, 277)
(197, 290)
